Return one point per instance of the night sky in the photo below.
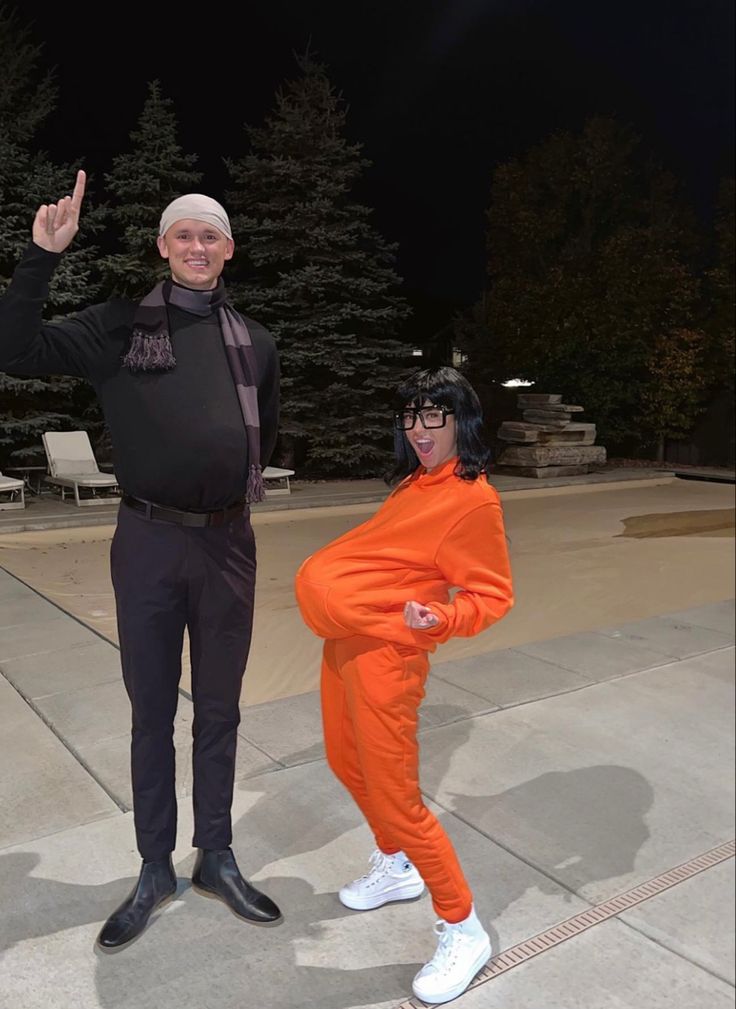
(439, 93)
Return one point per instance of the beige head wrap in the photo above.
(195, 207)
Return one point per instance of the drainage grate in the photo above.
(515, 955)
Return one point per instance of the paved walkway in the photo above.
(567, 771)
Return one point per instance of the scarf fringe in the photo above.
(255, 490)
(149, 353)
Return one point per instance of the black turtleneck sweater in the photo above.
(178, 437)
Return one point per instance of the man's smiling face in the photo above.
(197, 253)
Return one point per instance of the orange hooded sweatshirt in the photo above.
(433, 533)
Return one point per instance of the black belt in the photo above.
(184, 518)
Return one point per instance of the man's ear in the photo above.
(162, 246)
(229, 248)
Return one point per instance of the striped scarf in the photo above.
(150, 350)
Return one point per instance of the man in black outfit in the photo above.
(190, 393)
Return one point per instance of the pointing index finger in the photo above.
(78, 193)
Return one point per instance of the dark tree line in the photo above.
(601, 285)
(309, 264)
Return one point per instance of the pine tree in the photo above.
(27, 179)
(26, 97)
(143, 181)
(315, 271)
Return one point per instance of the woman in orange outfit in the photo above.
(380, 597)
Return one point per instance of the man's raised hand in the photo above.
(56, 224)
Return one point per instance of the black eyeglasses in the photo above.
(430, 416)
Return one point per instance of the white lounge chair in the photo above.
(280, 477)
(72, 464)
(11, 487)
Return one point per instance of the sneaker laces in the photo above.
(447, 942)
(380, 864)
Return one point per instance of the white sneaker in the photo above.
(392, 877)
(461, 952)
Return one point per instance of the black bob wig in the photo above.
(442, 387)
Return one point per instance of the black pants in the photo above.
(167, 577)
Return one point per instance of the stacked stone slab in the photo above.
(547, 442)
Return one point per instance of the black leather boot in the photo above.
(156, 884)
(216, 874)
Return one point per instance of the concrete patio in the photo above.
(567, 770)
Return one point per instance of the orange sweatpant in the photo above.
(371, 692)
